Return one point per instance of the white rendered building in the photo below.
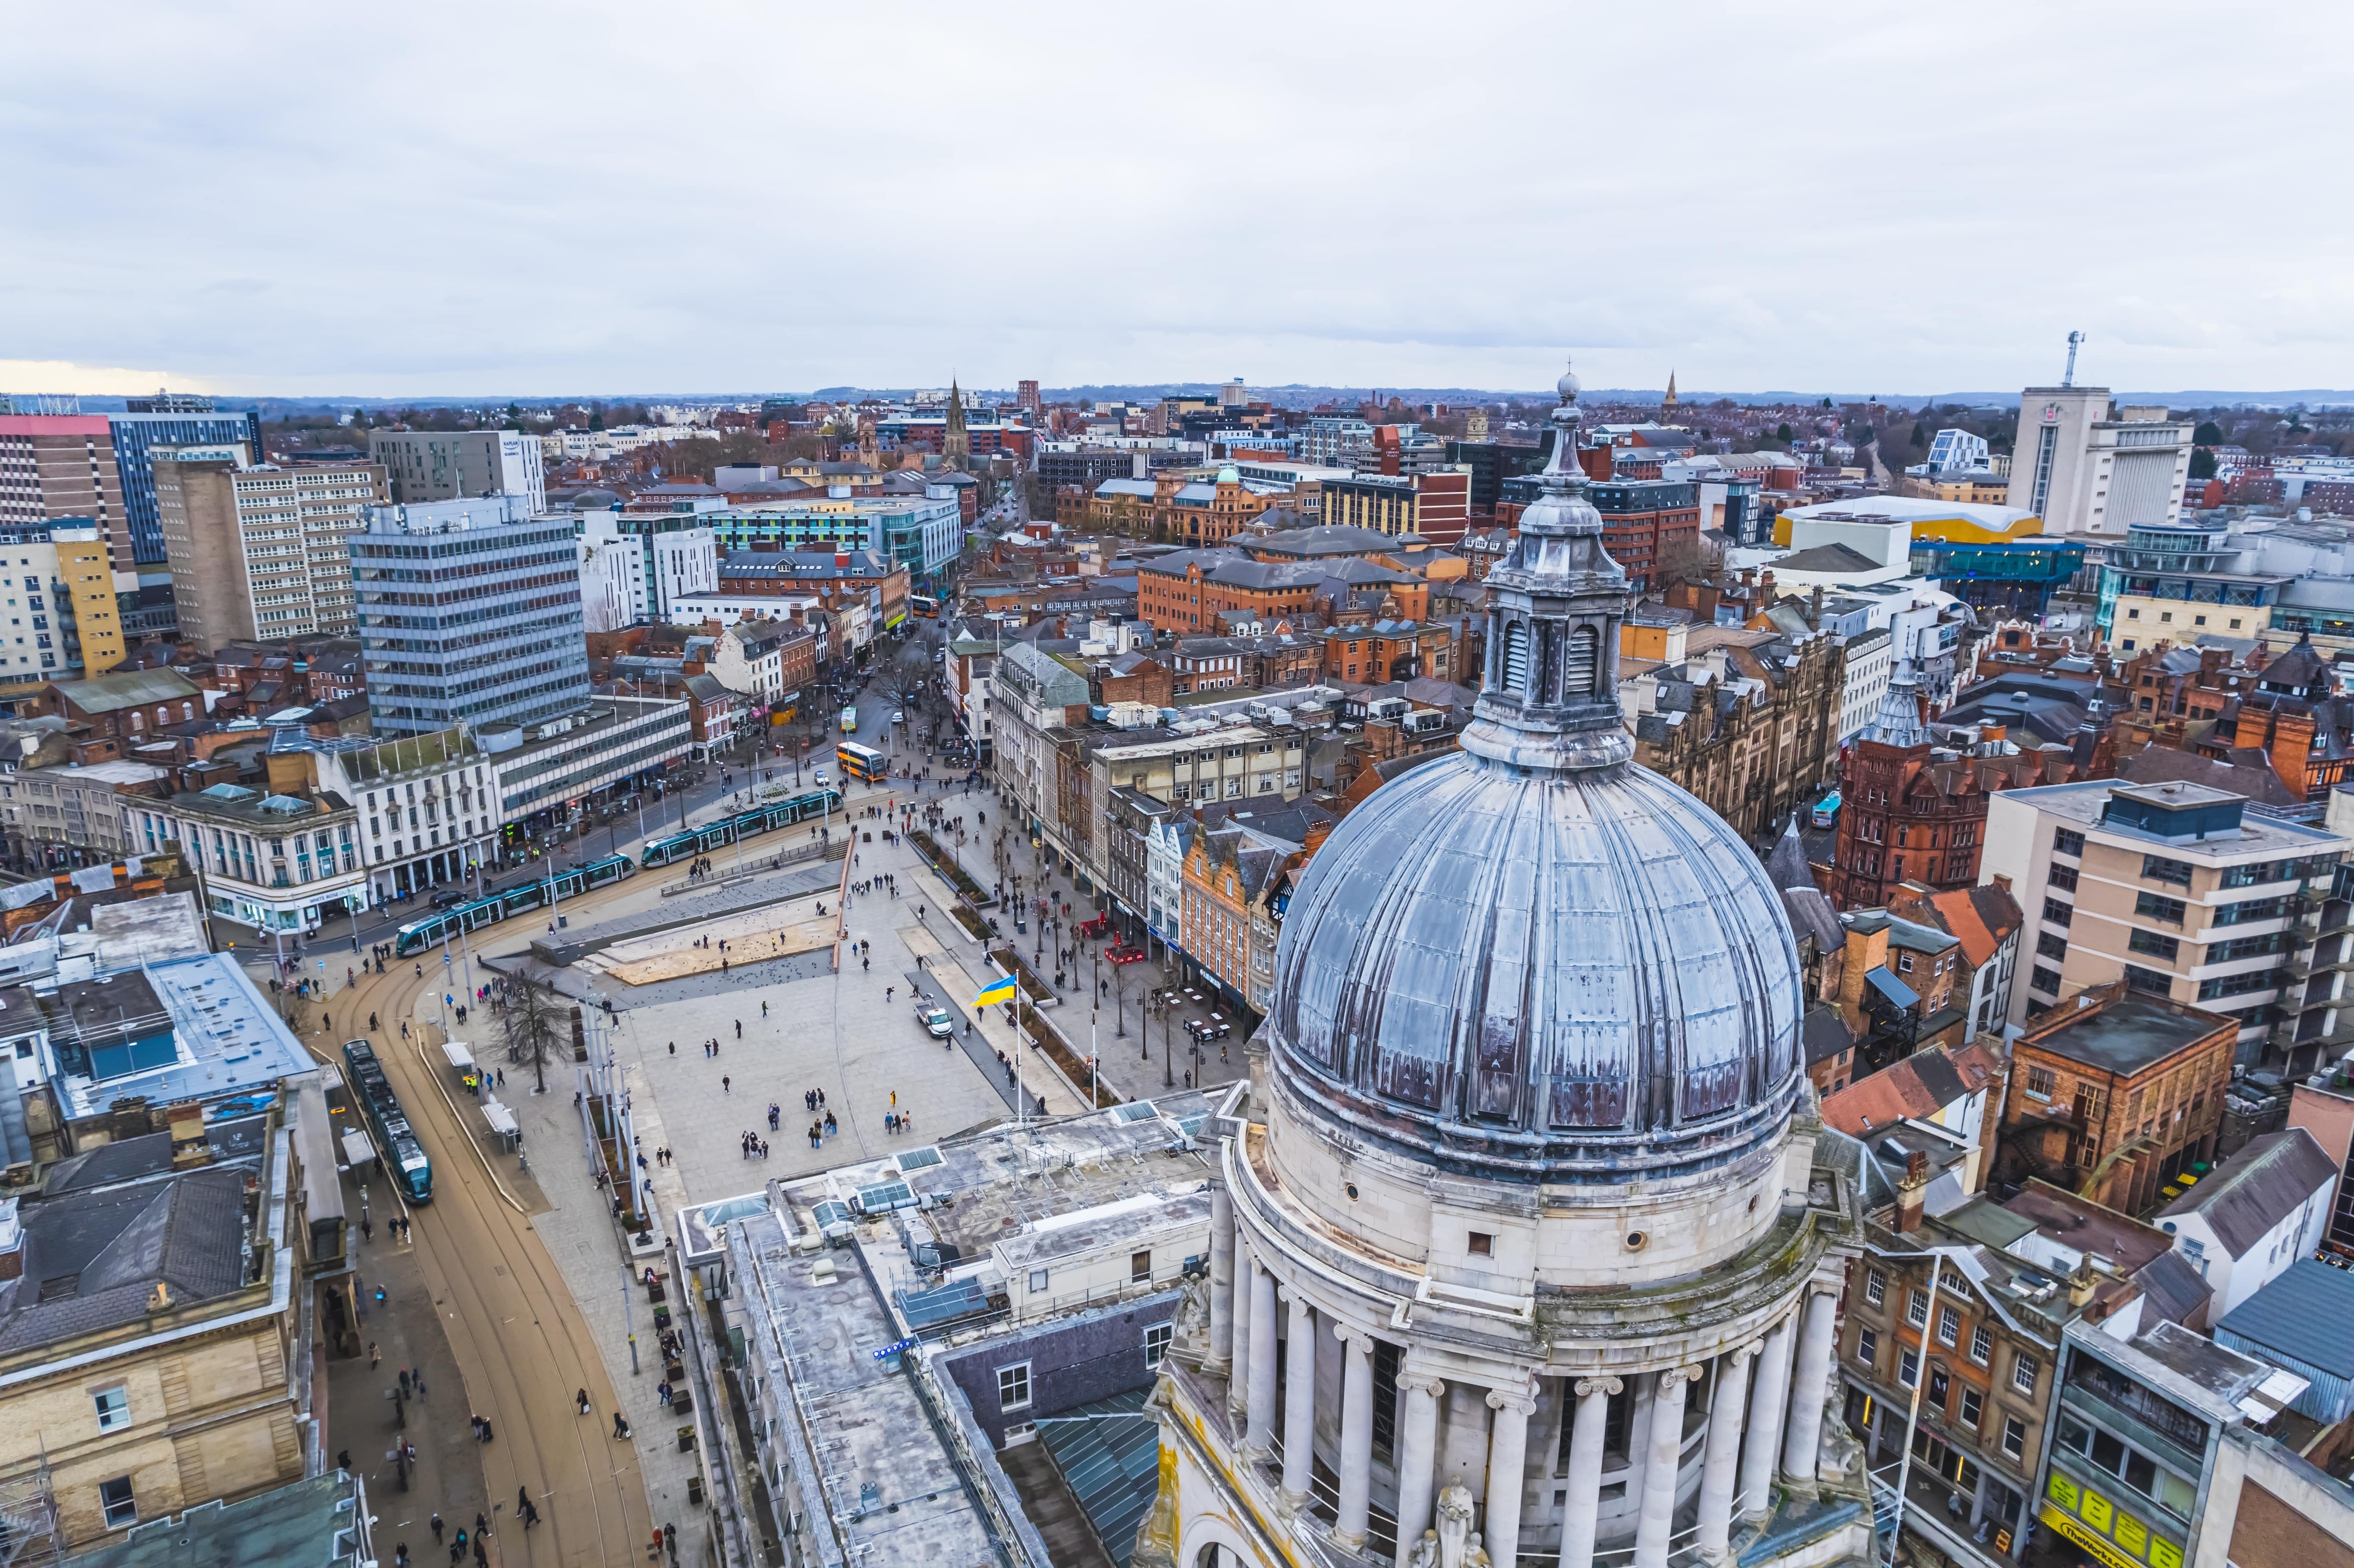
(1521, 1244)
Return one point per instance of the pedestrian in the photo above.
(581, 1398)
(400, 1555)
(436, 1526)
(725, 1083)
(670, 1540)
(417, 1376)
(376, 1357)
(739, 1022)
(620, 1427)
(404, 1382)
(673, 1047)
(482, 1558)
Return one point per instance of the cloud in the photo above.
(771, 197)
(62, 375)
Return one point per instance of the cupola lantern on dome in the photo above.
(1536, 960)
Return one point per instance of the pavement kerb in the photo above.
(464, 1130)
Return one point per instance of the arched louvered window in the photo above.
(1516, 659)
(1581, 664)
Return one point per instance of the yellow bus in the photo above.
(862, 762)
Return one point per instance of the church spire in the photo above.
(956, 446)
(1668, 404)
(1551, 696)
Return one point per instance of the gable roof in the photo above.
(2257, 1188)
(1920, 1086)
(118, 689)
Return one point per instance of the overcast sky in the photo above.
(496, 198)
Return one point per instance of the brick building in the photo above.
(1188, 590)
(2117, 1096)
(1369, 652)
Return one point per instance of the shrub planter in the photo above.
(947, 867)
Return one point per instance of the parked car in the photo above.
(935, 1021)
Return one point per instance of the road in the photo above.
(519, 1339)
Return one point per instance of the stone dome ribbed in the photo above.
(1559, 973)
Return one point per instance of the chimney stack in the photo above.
(1912, 1192)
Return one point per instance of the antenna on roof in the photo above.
(2068, 377)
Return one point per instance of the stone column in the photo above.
(1221, 1281)
(1299, 1404)
(1727, 1402)
(1508, 1464)
(1765, 1435)
(1356, 1437)
(1417, 1455)
(1583, 1508)
(1810, 1386)
(1260, 1436)
(1657, 1466)
(1239, 1375)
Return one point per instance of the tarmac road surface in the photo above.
(520, 1340)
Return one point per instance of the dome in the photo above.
(1536, 959)
(1540, 970)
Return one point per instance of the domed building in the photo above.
(1520, 1246)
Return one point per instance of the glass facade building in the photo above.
(137, 435)
(470, 613)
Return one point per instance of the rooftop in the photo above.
(2082, 804)
(2306, 1316)
(2130, 1034)
(923, 1239)
(224, 1040)
(300, 1523)
(2256, 1189)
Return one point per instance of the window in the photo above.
(2067, 840)
(113, 1409)
(1905, 963)
(115, 1501)
(1014, 1386)
(2063, 877)
(2154, 906)
(2059, 911)
(2041, 1082)
(1156, 1343)
(2158, 868)
(1916, 1308)
(1140, 1267)
(1940, 1389)
(1973, 1407)
(1982, 1345)
(2044, 979)
(1867, 1346)
(2014, 1437)
(2153, 944)
(2051, 945)
(2023, 1373)
(1037, 1282)
(1875, 1286)
(1908, 1368)
(1949, 1327)
(1482, 1245)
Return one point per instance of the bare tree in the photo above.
(536, 1030)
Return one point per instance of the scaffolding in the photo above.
(28, 1520)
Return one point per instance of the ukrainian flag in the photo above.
(994, 991)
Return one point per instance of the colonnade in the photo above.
(1764, 1419)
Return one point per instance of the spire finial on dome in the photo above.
(1550, 699)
